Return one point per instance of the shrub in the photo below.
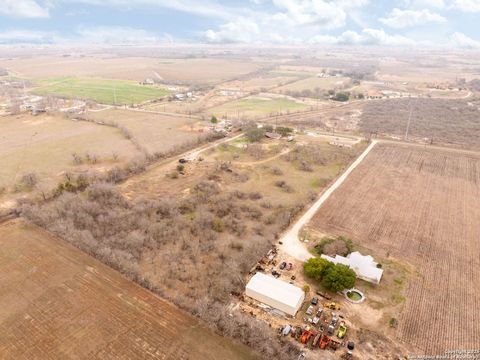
(255, 134)
(214, 119)
(218, 225)
(332, 246)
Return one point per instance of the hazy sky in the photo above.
(370, 22)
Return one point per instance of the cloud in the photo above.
(466, 5)
(28, 37)
(461, 40)
(400, 19)
(365, 37)
(119, 35)
(243, 30)
(23, 9)
(318, 13)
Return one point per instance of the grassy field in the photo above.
(105, 91)
(255, 107)
(312, 83)
(45, 144)
(420, 207)
(71, 306)
(154, 132)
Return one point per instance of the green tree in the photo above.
(284, 131)
(316, 268)
(341, 96)
(255, 134)
(214, 119)
(338, 277)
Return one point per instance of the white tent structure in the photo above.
(275, 293)
(364, 266)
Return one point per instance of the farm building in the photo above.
(364, 266)
(275, 293)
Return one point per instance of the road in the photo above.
(290, 241)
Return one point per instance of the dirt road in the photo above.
(290, 242)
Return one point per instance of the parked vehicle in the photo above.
(314, 301)
(342, 330)
(310, 310)
(324, 342)
(319, 312)
(330, 330)
(315, 320)
(334, 319)
(306, 335)
(276, 274)
(286, 330)
(283, 265)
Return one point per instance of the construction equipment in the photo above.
(306, 335)
(342, 330)
(324, 342)
(331, 305)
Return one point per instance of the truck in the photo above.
(324, 342)
(331, 305)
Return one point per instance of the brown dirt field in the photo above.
(419, 206)
(58, 303)
(130, 68)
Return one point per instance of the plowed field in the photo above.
(423, 207)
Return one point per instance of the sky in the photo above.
(442, 23)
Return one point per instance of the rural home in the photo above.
(275, 293)
(363, 265)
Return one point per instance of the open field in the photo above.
(154, 132)
(129, 68)
(257, 106)
(59, 303)
(313, 83)
(450, 122)
(419, 207)
(105, 91)
(44, 145)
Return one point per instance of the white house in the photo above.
(275, 293)
(364, 266)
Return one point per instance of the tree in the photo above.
(316, 268)
(255, 134)
(338, 277)
(214, 119)
(283, 130)
(341, 97)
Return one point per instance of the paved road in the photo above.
(290, 242)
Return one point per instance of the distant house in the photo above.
(363, 265)
(374, 94)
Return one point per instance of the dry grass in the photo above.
(44, 145)
(312, 83)
(419, 206)
(154, 132)
(130, 68)
(57, 302)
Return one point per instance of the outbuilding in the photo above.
(275, 293)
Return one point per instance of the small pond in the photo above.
(355, 296)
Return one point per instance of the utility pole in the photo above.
(114, 94)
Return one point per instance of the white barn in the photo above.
(364, 266)
(275, 293)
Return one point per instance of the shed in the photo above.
(275, 293)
